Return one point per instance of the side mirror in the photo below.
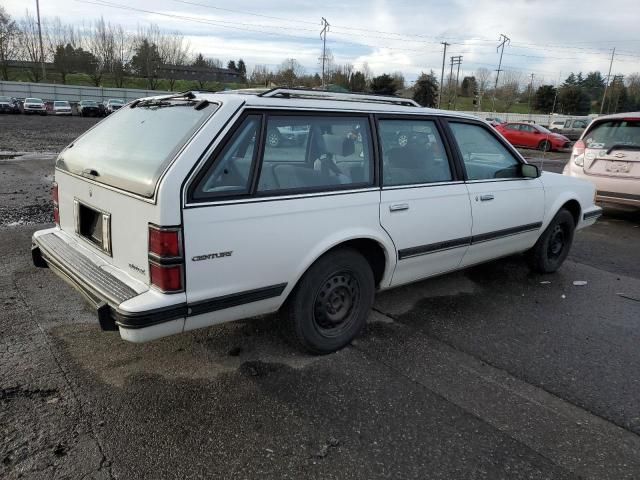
(529, 171)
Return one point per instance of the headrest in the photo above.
(338, 145)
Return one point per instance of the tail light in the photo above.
(577, 155)
(54, 198)
(166, 258)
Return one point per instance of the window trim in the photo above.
(212, 160)
(454, 145)
(456, 172)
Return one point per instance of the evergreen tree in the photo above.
(425, 91)
(384, 85)
(544, 99)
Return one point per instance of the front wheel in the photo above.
(331, 303)
(545, 146)
(553, 246)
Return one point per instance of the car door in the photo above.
(507, 208)
(528, 136)
(257, 214)
(424, 203)
(513, 134)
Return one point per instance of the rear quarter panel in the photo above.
(560, 189)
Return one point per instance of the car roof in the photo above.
(293, 99)
(614, 116)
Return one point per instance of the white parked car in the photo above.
(177, 214)
(34, 106)
(61, 107)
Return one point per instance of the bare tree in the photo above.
(29, 46)
(510, 88)
(172, 47)
(290, 70)
(483, 77)
(101, 44)
(9, 35)
(123, 43)
(261, 75)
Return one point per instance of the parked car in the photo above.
(61, 107)
(494, 121)
(34, 106)
(112, 105)
(571, 128)
(9, 105)
(89, 108)
(608, 155)
(173, 219)
(533, 136)
(555, 125)
(287, 134)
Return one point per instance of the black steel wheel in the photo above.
(553, 246)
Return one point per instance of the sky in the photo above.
(548, 38)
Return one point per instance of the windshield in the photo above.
(32, 100)
(132, 149)
(5, 99)
(541, 129)
(61, 104)
(614, 132)
(117, 102)
(88, 103)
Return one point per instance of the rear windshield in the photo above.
(5, 99)
(33, 100)
(89, 103)
(131, 149)
(61, 104)
(613, 132)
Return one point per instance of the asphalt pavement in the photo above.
(489, 373)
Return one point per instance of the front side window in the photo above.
(484, 156)
(315, 153)
(412, 153)
(231, 172)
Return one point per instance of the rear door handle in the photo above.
(486, 198)
(398, 207)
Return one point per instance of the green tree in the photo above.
(469, 86)
(383, 85)
(570, 81)
(199, 61)
(232, 65)
(357, 82)
(145, 62)
(545, 98)
(242, 70)
(425, 91)
(593, 85)
(574, 101)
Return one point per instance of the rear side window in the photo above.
(483, 155)
(131, 150)
(231, 172)
(608, 133)
(412, 153)
(315, 153)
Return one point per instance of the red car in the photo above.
(529, 135)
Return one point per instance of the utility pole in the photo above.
(606, 86)
(444, 55)
(44, 70)
(530, 90)
(458, 61)
(323, 36)
(503, 40)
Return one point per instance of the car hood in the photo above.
(557, 136)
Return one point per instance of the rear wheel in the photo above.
(273, 138)
(331, 303)
(545, 145)
(553, 246)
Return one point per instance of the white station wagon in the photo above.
(178, 212)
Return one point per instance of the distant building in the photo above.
(201, 74)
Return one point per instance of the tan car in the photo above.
(608, 154)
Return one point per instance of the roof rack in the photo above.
(345, 97)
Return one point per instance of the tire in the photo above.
(553, 246)
(545, 146)
(330, 305)
(273, 138)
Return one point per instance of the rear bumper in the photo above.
(618, 198)
(106, 293)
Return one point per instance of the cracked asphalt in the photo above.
(488, 373)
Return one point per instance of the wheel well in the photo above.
(574, 208)
(372, 251)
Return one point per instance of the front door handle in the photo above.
(398, 207)
(486, 198)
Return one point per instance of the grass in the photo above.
(107, 81)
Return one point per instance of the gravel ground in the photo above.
(33, 133)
